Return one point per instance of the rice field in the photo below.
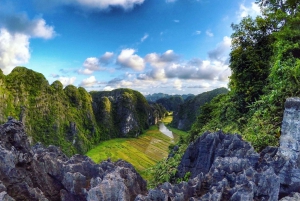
(142, 152)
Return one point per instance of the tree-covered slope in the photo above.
(51, 114)
(65, 116)
(185, 115)
(265, 65)
(124, 112)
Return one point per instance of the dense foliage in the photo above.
(185, 114)
(171, 103)
(65, 116)
(51, 114)
(265, 71)
(117, 110)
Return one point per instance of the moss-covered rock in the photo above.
(122, 112)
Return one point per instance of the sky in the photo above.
(167, 46)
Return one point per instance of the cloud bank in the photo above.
(16, 30)
(128, 59)
(92, 4)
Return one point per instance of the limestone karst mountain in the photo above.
(70, 117)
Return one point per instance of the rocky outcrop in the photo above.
(39, 173)
(224, 167)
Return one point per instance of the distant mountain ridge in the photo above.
(71, 117)
(154, 97)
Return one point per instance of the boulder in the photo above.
(39, 173)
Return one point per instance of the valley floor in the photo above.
(142, 152)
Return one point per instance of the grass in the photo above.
(142, 152)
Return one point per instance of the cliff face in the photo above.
(186, 113)
(68, 117)
(124, 112)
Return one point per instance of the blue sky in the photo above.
(168, 46)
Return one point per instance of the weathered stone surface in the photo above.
(290, 129)
(200, 155)
(227, 168)
(292, 197)
(39, 173)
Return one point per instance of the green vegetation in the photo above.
(121, 108)
(51, 114)
(68, 117)
(171, 102)
(185, 114)
(154, 97)
(165, 169)
(265, 64)
(142, 152)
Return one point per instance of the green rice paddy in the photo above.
(142, 152)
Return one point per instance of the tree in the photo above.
(250, 60)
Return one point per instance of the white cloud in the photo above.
(42, 30)
(252, 10)
(15, 33)
(90, 81)
(209, 33)
(67, 80)
(108, 88)
(106, 57)
(176, 21)
(197, 32)
(178, 84)
(224, 75)
(161, 60)
(14, 50)
(85, 71)
(91, 63)
(19, 23)
(128, 59)
(220, 53)
(170, 1)
(144, 37)
(92, 4)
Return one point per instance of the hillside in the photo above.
(265, 65)
(185, 114)
(124, 112)
(51, 114)
(68, 117)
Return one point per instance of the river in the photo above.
(165, 130)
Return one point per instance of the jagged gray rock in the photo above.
(39, 173)
(292, 197)
(200, 155)
(228, 168)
